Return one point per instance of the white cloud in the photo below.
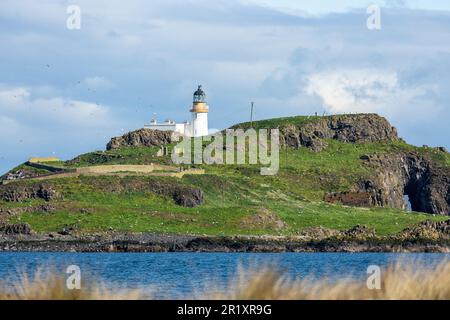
(12, 98)
(323, 7)
(19, 104)
(36, 125)
(364, 91)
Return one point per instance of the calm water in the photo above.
(172, 275)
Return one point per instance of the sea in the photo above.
(192, 275)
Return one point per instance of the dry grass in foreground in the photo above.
(403, 282)
(399, 282)
(47, 286)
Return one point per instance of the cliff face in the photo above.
(142, 138)
(359, 128)
(426, 183)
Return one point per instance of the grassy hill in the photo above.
(237, 199)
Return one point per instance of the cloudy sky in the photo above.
(64, 92)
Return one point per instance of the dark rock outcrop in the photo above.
(359, 232)
(356, 199)
(17, 192)
(359, 128)
(426, 183)
(19, 175)
(435, 230)
(9, 229)
(182, 195)
(143, 138)
(187, 197)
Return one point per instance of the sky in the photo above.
(323, 7)
(65, 92)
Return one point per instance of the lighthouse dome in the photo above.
(199, 95)
(199, 105)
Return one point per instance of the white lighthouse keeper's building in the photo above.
(199, 125)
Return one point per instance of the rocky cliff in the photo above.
(142, 138)
(426, 183)
(396, 175)
(359, 128)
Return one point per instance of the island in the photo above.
(346, 183)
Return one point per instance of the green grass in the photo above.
(278, 122)
(57, 164)
(229, 201)
(130, 155)
(309, 175)
(233, 194)
(440, 157)
(385, 221)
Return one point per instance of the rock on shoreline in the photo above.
(180, 243)
(428, 236)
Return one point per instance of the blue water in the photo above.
(175, 275)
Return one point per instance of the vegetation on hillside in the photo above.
(237, 199)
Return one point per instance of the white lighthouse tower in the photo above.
(199, 112)
(199, 125)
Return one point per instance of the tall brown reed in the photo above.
(49, 286)
(399, 282)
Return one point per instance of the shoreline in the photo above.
(186, 243)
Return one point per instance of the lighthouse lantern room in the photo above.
(199, 114)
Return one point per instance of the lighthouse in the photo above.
(199, 125)
(199, 113)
